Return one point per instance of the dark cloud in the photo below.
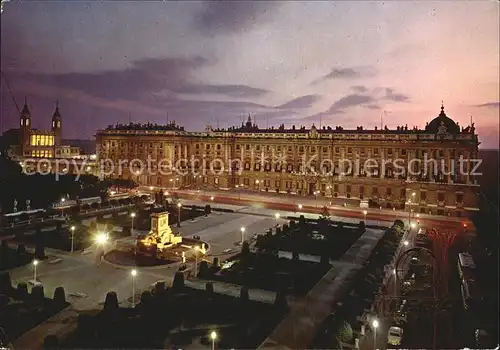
(300, 102)
(231, 16)
(390, 95)
(359, 88)
(348, 101)
(228, 90)
(144, 79)
(347, 73)
(489, 105)
(372, 107)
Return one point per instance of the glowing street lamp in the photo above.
(62, 209)
(133, 273)
(179, 206)
(242, 235)
(212, 198)
(277, 216)
(101, 238)
(300, 206)
(72, 228)
(35, 263)
(213, 337)
(406, 243)
(365, 213)
(375, 326)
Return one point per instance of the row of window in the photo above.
(41, 154)
(312, 149)
(42, 140)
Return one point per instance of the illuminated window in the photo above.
(27, 122)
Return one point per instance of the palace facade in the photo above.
(379, 167)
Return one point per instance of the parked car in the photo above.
(395, 335)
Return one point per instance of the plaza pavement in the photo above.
(85, 273)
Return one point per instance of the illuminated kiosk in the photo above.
(161, 242)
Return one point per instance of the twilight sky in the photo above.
(344, 63)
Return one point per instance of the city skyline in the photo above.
(282, 62)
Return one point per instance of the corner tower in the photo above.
(56, 125)
(25, 124)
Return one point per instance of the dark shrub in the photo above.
(5, 283)
(51, 342)
(204, 269)
(215, 263)
(37, 293)
(280, 300)
(245, 249)
(209, 287)
(111, 303)
(208, 209)
(22, 291)
(159, 288)
(4, 300)
(21, 249)
(178, 283)
(60, 296)
(400, 224)
(146, 298)
(362, 226)
(244, 293)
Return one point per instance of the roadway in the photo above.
(314, 205)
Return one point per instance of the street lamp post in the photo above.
(196, 249)
(62, 209)
(179, 206)
(35, 263)
(213, 337)
(409, 208)
(375, 326)
(242, 235)
(72, 237)
(133, 273)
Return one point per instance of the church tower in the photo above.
(56, 125)
(25, 124)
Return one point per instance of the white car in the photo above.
(395, 335)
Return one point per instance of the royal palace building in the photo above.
(428, 170)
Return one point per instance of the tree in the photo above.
(5, 283)
(204, 269)
(280, 300)
(51, 342)
(245, 250)
(209, 288)
(344, 332)
(60, 296)
(37, 293)
(244, 295)
(362, 226)
(178, 283)
(22, 291)
(111, 304)
(325, 214)
(21, 249)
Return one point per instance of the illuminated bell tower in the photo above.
(56, 125)
(25, 125)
